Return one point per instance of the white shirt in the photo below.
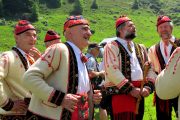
(136, 71)
(169, 47)
(83, 78)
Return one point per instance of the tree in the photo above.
(1, 8)
(71, 1)
(77, 8)
(53, 3)
(135, 5)
(35, 12)
(94, 5)
(19, 9)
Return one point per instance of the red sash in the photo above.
(125, 103)
(82, 110)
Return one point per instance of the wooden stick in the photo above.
(145, 72)
(173, 44)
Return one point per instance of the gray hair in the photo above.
(119, 28)
(171, 24)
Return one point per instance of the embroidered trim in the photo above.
(22, 58)
(160, 57)
(72, 80)
(122, 83)
(48, 58)
(8, 106)
(175, 66)
(57, 97)
(126, 67)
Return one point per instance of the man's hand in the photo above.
(70, 102)
(97, 96)
(135, 92)
(19, 106)
(145, 92)
(102, 74)
(93, 74)
(35, 53)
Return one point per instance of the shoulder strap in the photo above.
(140, 54)
(160, 57)
(22, 58)
(125, 60)
(72, 79)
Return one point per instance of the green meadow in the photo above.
(102, 22)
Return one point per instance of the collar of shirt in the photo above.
(88, 55)
(24, 54)
(169, 47)
(75, 48)
(83, 84)
(124, 43)
(172, 39)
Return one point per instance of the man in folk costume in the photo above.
(14, 97)
(158, 56)
(51, 38)
(167, 83)
(59, 80)
(124, 61)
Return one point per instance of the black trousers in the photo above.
(32, 116)
(140, 114)
(12, 117)
(166, 113)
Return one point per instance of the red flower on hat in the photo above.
(122, 19)
(75, 20)
(162, 19)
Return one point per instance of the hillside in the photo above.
(102, 20)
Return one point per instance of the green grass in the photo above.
(102, 21)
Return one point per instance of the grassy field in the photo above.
(102, 21)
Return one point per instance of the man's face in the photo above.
(165, 30)
(96, 51)
(81, 35)
(129, 31)
(26, 40)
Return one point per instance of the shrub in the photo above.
(94, 5)
(77, 8)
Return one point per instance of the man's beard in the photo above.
(130, 36)
(165, 35)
